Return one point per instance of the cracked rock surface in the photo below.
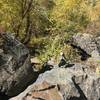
(63, 84)
(77, 82)
(14, 67)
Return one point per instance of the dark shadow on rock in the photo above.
(69, 65)
(75, 98)
(32, 81)
(84, 55)
(45, 68)
(28, 84)
(38, 98)
(3, 96)
(82, 95)
(2, 61)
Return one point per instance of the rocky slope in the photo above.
(69, 81)
(77, 82)
(64, 84)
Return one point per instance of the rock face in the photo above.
(15, 67)
(77, 82)
(87, 43)
(64, 84)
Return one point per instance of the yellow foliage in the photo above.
(51, 21)
(95, 12)
(61, 8)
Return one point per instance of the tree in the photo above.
(24, 17)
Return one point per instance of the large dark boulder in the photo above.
(15, 67)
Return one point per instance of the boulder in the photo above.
(80, 81)
(51, 85)
(86, 44)
(15, 67)
(74, 83)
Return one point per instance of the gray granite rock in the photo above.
(77, 82)
(15, 67)
(73, 83)
(86, 42)
(87, 45)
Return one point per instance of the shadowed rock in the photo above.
(77, 82)
(63, 84)
(15, 67)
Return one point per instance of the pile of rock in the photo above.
(78, 82)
